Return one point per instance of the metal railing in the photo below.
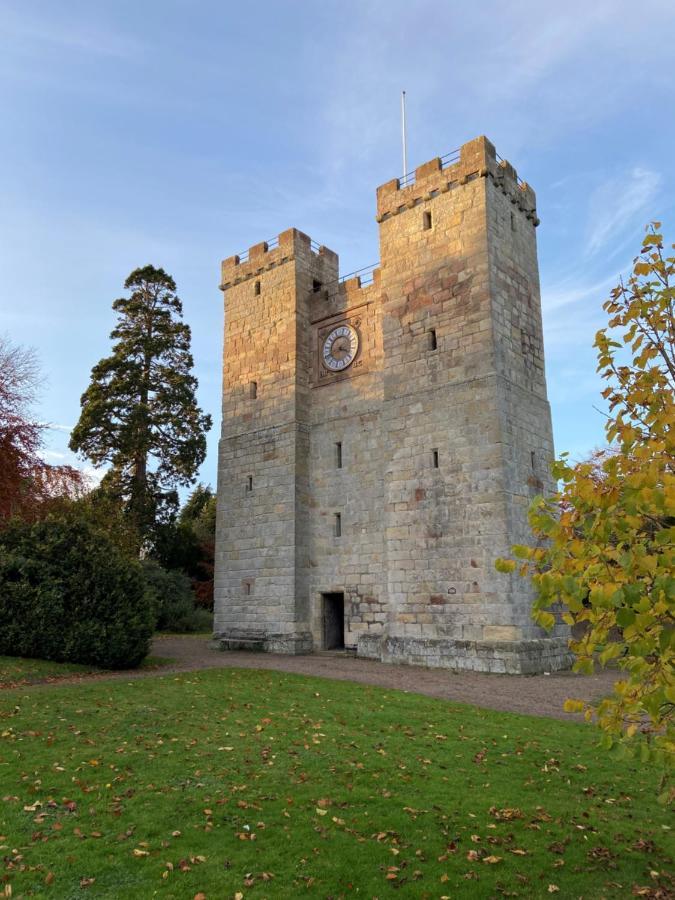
(407, 179)
(500, 159)
(270, 245)
(450, 158)
(365, 274)
(447, 160)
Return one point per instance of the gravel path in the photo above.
(537, 695)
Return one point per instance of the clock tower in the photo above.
(383, 434)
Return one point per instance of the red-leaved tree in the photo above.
(27, 483)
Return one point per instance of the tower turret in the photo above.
(384, 434)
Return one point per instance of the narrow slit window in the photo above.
(426, 220)
(316, 286)
(338, 525)
(246, 588)
(434, 458)
(256, 289)
(533, 459)
(253, 390)
(433, 341)
(338, 455)
(513, 221)
(249, 484)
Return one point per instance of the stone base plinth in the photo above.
(525, 657)
(369, 646)
(264, 642)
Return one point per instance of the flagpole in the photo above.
(405, 149)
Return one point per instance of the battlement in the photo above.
(362, 278)
(349, 291)
(289, 245)
(475, 159)
(384, 431)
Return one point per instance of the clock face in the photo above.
(340, 348)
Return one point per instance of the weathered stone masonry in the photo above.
(395, 481)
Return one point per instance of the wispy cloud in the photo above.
(73, 36)
(54, 455)
(572, 309)
(618, 204)
(58, 458)
(573, 291)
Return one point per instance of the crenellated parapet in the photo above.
(475, 159)
(291, 244)
(347, 293)
(383, 432)
(353, 286)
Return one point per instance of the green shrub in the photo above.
(170, 593)
(67, 593)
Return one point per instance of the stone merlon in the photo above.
(476, 159)
(290, 244)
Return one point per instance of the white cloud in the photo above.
(572, 291)
(92, 476)
(54, 455)
(73, 36)
(620, 203)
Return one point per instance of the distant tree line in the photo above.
(87, 574)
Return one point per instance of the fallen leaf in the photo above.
(506, 814)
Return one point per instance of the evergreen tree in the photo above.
(188, 543)
(140, 414)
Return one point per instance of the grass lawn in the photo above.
(17, 670)
(235, 783)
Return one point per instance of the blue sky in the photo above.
(176, 133)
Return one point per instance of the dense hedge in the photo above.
(173, 600)
(67, 593)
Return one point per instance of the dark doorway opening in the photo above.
(333, 621)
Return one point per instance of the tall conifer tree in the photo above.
(140, 414)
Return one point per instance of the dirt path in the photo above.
(535, 695)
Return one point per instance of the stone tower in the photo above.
(383, 436)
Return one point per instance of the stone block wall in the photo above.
(262, 545)
(346, 409)
(442, 420)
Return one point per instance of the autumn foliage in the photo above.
(606, 540)
(27, 483)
